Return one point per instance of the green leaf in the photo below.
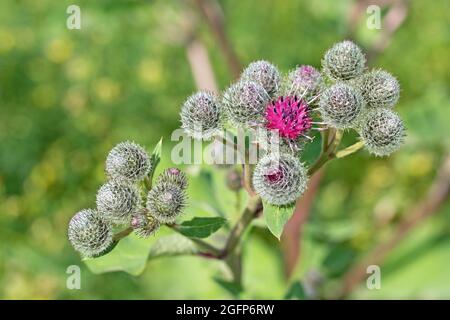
(129, 255)
(312, 150)
(172, 245)
(338, 259)
(228, 201)
(201, 193)
(155, 158)
(200, 227)
(276, 217)
(156, 154)
(296, 292)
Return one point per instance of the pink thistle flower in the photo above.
(274, 175)
(289, 115)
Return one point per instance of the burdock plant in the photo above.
(343, 96)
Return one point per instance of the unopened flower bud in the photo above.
(280, 180)
(380, 89)
(89, 233)
(340, 105)
(344, 61)
(265, 74)
(143, 224)
(200, 115)
(128, 161)
(174, 176)
(233, 180)
(166, 202)
(382, 131)
(116, 201)
(244, 103)
(305, 82)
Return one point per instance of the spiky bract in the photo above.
(344, 61)
(382, 131)
(166, 202)
(305, 82)
(117, 200)
(244, 103)
(280, 180)
(200, 115)
(265, 74)
(144, 224)
(89, 233)
(340, 105)
(175, 176)
(128, 161)
(380, 89)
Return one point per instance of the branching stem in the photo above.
(254, 206)
(122, 234)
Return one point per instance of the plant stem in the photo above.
(216, 253)
(247, 177)
(148, 182)
(254, 206)
(122, 234)
(330, 141)
(349, 150)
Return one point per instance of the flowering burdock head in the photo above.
(340, 105)
(280, 180)
(344, 61)
(244, 103)
(116, 201)
(166, 201)
(380, 89)
(290, 117)
(200, 115)
(265, 74)
(143, 224)
(382, 131)
(89, 233)
(128, 161)
(305, 82)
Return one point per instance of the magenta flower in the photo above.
(274, 175)
(289, 115)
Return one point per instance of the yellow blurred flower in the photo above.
(41, 230)
(78, 69)
(59, 50)
(419, 164)
(7, 40)
(11, 206)
(106, 89)
(379, 176)
(75, 100)
(150, 72)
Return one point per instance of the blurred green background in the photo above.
(68, 96)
